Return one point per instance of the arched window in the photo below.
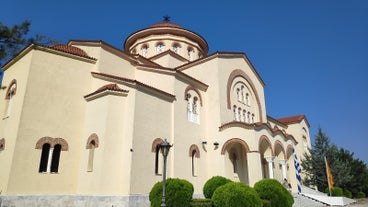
(159, 47)
(239, 114)
(194, 155)
(194, 101)
(252, 118)
(158, 157)
(90, 156)
(44, 158)
(190, 53)
(235, 112)
(176, 47)
(247, 101)
(248, 117)
(55, 158)
(2, 144)
(12, 89)
(144, 50)
(244, 116)
(242, 91)
(50, 154)
(92, 144)
(238, 94)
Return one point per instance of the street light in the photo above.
(165, 148)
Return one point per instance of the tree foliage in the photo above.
(348, 173)
(13, 39)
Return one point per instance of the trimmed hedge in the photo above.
(272, 190)
(179, 193)
(212, 184)
(201, 202)
(236, 194)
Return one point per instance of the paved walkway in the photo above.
(360, 203)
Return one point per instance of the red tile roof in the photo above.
(70, 49)
(110, 87)
(292, 119)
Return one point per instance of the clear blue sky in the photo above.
(312, 54)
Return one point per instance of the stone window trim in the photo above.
(93, 137)
(239, 73)
(52, 142)
(196, 91)
(11, 90)
(2, 144)
(195, 148)
(233, 141)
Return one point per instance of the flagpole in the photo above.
(328, 179)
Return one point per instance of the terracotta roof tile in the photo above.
(291, 119)
(70, 49)
(110, 87)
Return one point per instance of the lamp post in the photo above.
(165, 148)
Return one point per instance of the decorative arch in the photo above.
(234, 141)
(52, 142)
(195, 148)
(12, 89)
(92, 137)
(196, 90)
(266, 139)
(239, 73)
(278, 143)
(2, 144)
(289, 151)
(156, 142)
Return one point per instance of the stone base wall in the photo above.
(140, 200)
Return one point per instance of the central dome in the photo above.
(164, 36)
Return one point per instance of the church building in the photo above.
(81, 123)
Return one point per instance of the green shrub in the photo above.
(212, 184)
(347, 193)
(272, 190)
(236, 194)
(201, 202)
(360, 195)
(337, 191)
(178, 193)
(266, 203)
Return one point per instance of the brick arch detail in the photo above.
(52, 142)
(282, 147)
(2, 144)
(195, 148)
(235, 141)
(265, 138)
(92, 137)
(239, 73)
(156, 142)
(11, 90)
(196, 90)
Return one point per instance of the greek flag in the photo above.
(298, 170)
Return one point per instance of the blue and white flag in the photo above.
(298, 170)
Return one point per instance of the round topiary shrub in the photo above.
(179, 193)
(212, 184)
(236, 194)
(347, 193)
(360, 195)
(337, 191)
(272, 190)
